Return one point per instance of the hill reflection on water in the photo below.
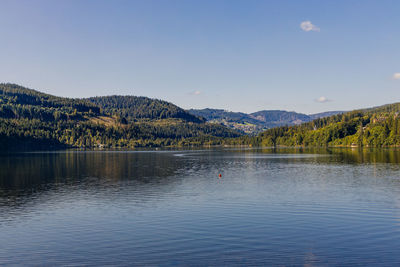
(33, 170)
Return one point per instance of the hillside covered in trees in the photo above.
(133, 108)
(30, 120)
(373, 127)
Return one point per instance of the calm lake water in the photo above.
(270, 207)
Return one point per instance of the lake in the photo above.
(285, 207)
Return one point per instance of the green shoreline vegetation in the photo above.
(33, 120)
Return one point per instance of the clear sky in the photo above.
(305, 56)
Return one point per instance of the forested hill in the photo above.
(280, 116)
(30, 119)
(20, 102)
(373, 127)
(133, 107)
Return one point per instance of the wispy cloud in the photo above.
(307, 26)
(322, 99)
(196, 92)
(396, 76)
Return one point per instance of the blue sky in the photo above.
(235, 55)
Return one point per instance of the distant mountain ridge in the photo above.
(259, 121)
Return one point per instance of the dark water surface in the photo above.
(286, 207)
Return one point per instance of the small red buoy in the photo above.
(220, 175)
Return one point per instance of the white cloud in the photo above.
(307, 26)
(322, 99)
(396, 76)
(197, 92)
